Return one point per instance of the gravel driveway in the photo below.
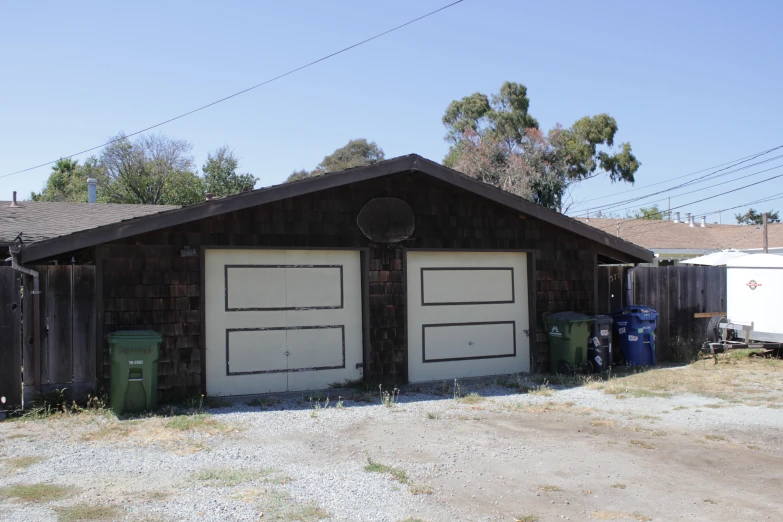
(493, 454)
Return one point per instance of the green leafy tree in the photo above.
(751, 217)
(66, 182)
(356, 153)
(151, 170)
(565, 155)
(651, 213)
(220, 174)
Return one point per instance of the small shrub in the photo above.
(389, 399)
(432, 415)
(473, 398)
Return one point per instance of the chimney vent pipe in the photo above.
(691, 221)
(676, 217)
(13, 201)
(704, 222)
(92, 190)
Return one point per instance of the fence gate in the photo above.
(67, 356)
(10, 339)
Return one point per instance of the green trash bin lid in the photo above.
(569, 317)
(135, 335)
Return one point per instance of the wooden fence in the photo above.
(676, 292)
(10, 339)
(67, 330)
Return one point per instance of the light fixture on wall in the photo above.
(187, 252)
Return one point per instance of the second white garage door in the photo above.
(467, 314)
(281, 320)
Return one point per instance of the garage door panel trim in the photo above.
(511, 285)
(229, 308)
(475, 357)
(286, 370)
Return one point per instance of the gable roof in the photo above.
(664, 234)
(41, 221)
(609, 244)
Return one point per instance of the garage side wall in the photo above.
(146, 282)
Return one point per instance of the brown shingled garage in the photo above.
(446, 277)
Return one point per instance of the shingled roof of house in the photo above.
(653, 234)
(40, 221)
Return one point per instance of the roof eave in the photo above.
(610, 245)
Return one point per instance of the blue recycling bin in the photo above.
(634, 330)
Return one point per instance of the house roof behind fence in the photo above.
(664, 234)
(40, 221)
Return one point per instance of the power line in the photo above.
(711, 197)
(612, 206)
(733, 163)
(292, 71)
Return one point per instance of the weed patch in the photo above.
(473, 398)
(526, 518)
(86, 512)
(716, 438)
(199, 421)
(41, 492)
(226, 477)
(549, 488)
(641, 444)
(18, 463)
(617, 485)
(376, 467)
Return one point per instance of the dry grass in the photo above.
(86, 512)
(420, 489)
(603, 423)
(549, 406)
(473, 398)
(549, 488)
(19, 463)
(736, 378)
(16, 436)
(617, 485)
(227, 477)
(526, 518)
(41, 492)
(641, 444)
(716, 438)
(172, 433)
(280, 506)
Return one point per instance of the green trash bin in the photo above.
(568, 334)
(134, 370)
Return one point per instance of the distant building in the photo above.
(675, 240)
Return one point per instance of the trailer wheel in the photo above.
(713, 328)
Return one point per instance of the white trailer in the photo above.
(753, 314)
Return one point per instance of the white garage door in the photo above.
(467, 314)
(281, 320)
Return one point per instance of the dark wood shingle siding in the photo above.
(147, 284)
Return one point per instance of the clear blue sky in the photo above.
(691, 84)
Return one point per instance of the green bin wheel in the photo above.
(564, 368)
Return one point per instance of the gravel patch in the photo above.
(311, 460)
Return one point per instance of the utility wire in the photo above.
(292, 71)
(739, 160)
(611, 206)
(710, 197)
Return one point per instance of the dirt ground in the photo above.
(701, 442)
